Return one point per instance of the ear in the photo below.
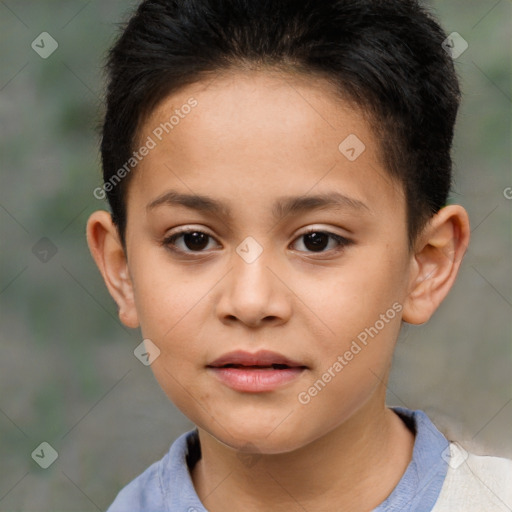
(108, 253)
(437, 257)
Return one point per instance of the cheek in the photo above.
(361, 308)
(165, 294)
(347, 299)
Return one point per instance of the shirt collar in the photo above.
(417, 490)
(420, 485)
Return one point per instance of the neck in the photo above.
(357, 464)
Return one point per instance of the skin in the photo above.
(255, 137)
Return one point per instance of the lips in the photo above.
(261, 359)
(262, 371)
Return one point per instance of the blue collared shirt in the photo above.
(166, 485)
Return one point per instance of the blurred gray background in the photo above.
(68, 375)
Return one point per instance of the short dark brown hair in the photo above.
(386, 56)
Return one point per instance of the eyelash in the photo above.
(169, 242)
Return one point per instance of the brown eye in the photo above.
(191, 241)
(318, 241)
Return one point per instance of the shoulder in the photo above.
(145, 492)
(163, 486)
(475, 482)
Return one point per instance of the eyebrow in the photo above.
(282, 207)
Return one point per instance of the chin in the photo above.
(258, 437)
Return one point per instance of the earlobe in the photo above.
(109, 255)
(437, 258)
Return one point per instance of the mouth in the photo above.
(274, 366)
(262, 371)
(260, 359)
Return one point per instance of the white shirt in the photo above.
(475, 483)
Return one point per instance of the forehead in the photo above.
(248, 110)
(260, 134)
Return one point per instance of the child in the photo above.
(278, 173)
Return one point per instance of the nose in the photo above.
(254, 292)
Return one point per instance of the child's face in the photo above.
(253, 141)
